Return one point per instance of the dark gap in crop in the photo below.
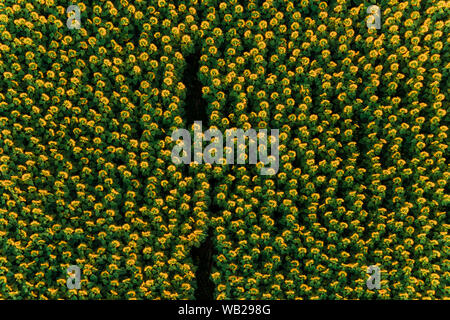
(203, 256)
(195, 106)
(203, 260)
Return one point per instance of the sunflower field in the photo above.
(86, 176)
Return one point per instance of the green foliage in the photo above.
(86, 175)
